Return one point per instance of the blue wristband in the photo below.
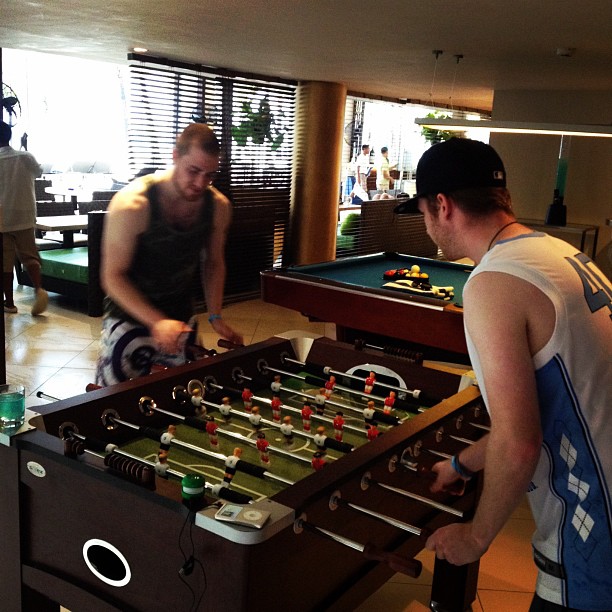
(214, 317)
(460, 469)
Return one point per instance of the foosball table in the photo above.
(292, 474)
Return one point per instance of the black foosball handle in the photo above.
(234, 496)
(398, 563)
(226, 344)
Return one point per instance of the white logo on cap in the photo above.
(498, 175)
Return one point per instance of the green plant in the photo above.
(431, 134)
(258, 125)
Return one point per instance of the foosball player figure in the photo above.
(389, 401)
(166, 438)
(369, 412)
(262, 447)
(370, 381)
(162, 456)
(330, 385)
(255, 418)
(318, 461)
(372, 431)
(306, 414)
(338, 425)
(319, 439)
(276, 385)
(211, 430)
(225, 408)
(320, 399)
(276, 404)
(286, 429)
(197, 399)
(230, 465)
(247, 398)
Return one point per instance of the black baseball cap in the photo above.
(457, 163)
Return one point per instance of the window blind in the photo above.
(253, 118)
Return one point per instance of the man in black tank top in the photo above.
(157, 230)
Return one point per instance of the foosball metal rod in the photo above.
(361, 394)
(162, 470)
(330, 443)
(367, 480)
(314, 417)
(414, 393)
(394, 351)
(380, 416)
(253, 470)
(339, 405)
(398, 563)
(336, 500)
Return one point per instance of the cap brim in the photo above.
(407, 206)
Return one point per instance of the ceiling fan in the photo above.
(11, 104)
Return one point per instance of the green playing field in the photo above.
(288, 462)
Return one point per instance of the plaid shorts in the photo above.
(128, 351)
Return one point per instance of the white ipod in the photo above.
(242, 515)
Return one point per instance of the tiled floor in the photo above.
(55, 353)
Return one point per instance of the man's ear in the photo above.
(175, 154)
(446, 205)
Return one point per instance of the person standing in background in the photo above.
(363, 167)
(383, 168)
(18, 170)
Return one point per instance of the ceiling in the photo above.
(380, 48)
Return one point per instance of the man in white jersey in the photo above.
(538, 322)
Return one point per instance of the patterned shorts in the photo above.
(128, 351)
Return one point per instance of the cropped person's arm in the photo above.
(513, 447)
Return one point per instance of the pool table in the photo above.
(349, 292)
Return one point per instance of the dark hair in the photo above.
(200, 135)
(384, 149)
(364, 147)
(5, 133)
(478, 201)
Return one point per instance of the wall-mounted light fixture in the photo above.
(517, 127)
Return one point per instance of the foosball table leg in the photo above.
(454, 586)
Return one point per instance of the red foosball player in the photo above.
(276, 404)
(211, 430)
(320, 399)
(306, 414)
(319, 438)
(372, 431)
(255, 418)
(369, 412)
(286, 429)
(338, 425)
(247, 398)
(225, 408)
(330, 386)
(370, 381)
(318, 461)
(230, 465)
(389, 401)
(262, 447)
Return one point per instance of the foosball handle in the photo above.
(398, 563)
(226, 344)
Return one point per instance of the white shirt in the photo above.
(18, 169)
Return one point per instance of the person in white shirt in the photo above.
(18, 170)
(363, 167)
